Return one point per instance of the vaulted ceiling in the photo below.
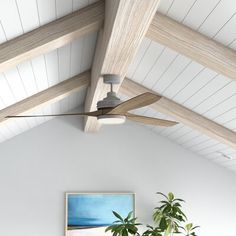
(159, 65)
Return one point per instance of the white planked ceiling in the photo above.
(20, 16)
(189, 83)
(155, 66)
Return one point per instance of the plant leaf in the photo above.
(118, 216)
(162, 194)
(171, 196)
(189, 226)
(168, 230)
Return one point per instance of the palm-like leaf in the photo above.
(189, 230)
(169, 214)
(123, 226)
(152, 231)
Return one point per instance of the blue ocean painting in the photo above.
(95, 210)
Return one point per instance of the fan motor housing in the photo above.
(110, 101)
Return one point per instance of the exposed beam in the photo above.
(51, 36)
(47, 96)
(183, 115)
(126, 23)
(164, 30)
(131, 89)
(194, 45)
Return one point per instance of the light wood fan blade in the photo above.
(141, 100)
(150, 120)
(93, 113)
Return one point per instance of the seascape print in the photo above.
(90, 214)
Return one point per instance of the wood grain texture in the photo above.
(194, 45)
(47, 96)
(139, 101)
(126, 24)
(51, 36)
(183, 115)
(150, 120)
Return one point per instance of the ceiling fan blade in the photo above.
(141, 100)
(150, 120)
(93, 113)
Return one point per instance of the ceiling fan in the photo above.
(111, 110)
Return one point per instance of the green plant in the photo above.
(168, 219)
(188, 230)
(123, 227)
(169, 215)
(152, 231)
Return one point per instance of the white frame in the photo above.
(94, 193)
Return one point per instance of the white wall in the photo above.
(37, 167)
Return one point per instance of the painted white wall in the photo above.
(37, 167)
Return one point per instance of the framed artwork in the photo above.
(89, 214)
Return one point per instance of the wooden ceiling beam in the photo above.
(194, 45)
(51, 36)
(163, 30)
(131, 89)
(183, 115)
(48, 96)
(125, 25)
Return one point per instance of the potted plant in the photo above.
(168, 219)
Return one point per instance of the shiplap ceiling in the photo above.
(155, 66)
(189, 83)
(31, 77)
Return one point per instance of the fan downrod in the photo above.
(111, 100)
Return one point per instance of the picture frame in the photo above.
(90, 213)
